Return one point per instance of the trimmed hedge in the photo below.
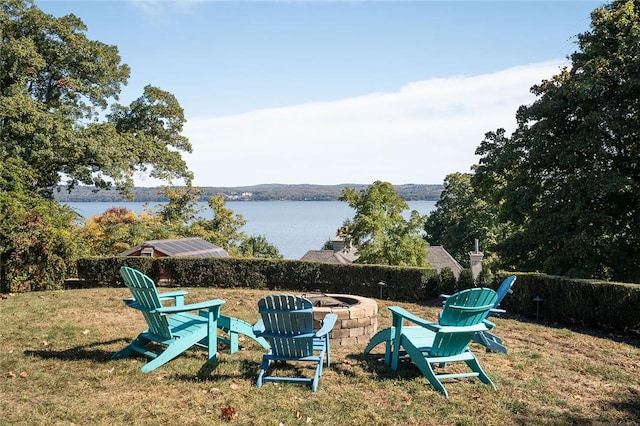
(408, 284)
(613, 307)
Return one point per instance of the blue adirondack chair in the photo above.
(487, 339)
(175, 327)
(287, 323)
(427, 343)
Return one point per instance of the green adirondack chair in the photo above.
(176, 328)
(427, 343)
(487, 339)
(287, 323)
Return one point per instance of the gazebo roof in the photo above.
(180, 247)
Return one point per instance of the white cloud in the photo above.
(419, 134)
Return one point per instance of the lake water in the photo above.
(295, 227)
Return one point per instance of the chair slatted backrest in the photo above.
(465, 308)
(288, 322)
(505, 288)
(145, 294)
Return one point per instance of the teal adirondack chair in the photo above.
(175, 328)
(287, 323)
(428, 343)
(487, 339)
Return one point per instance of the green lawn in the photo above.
(55, 369)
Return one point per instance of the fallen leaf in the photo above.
(234, 386)
(85, 332)
(24, 374)
(228, 413)
(11, 374)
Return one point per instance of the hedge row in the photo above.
(609, 306)
(400, 283)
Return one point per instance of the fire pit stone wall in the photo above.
(357, 321)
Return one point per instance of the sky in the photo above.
(336, 92)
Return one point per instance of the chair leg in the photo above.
(383, 336)
(316, 378)
(263, 370)
(139, 342)
(474, 365)
(167, 355)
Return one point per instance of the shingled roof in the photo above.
(437, 257)
(440, 258)
(180, 247)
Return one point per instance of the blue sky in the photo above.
(331, 92)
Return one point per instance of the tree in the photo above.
(568, 178)
(55, 88)
(55, 85)
(462, 216)
(378, 229)
(223, 229)
(38, 242)
(259, 246)
(119, 229)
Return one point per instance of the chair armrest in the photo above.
(191, 307)
(403, 313)
(489, 324)
(258, 328)
(497, 311)
(177, 296)
(444, 296)
(463, 329)
(327, 324)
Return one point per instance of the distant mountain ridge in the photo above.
(262, 192)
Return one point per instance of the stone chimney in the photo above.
(475, 258)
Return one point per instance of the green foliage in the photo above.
(38, 245)
(379, 231)
(462, 216)
(447, 282)
(465, 280)
(55, 85)
(259, 246)
(223, 228)
(566, 183)
(119, 229)
(587, 303)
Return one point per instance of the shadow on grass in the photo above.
(83, 352)
(211, 372)
(374, 365)
(629, 404)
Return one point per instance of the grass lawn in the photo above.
(55, 369)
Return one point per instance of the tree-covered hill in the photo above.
(264, 192)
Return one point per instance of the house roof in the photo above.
(330, 256)
(181, 247)
(440, 258)
(437, 257)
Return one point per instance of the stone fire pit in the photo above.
(357, 316)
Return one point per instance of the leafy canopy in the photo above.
(55, 88)
(567, 181)
(380, 231)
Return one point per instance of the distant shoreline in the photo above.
(264, 192)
